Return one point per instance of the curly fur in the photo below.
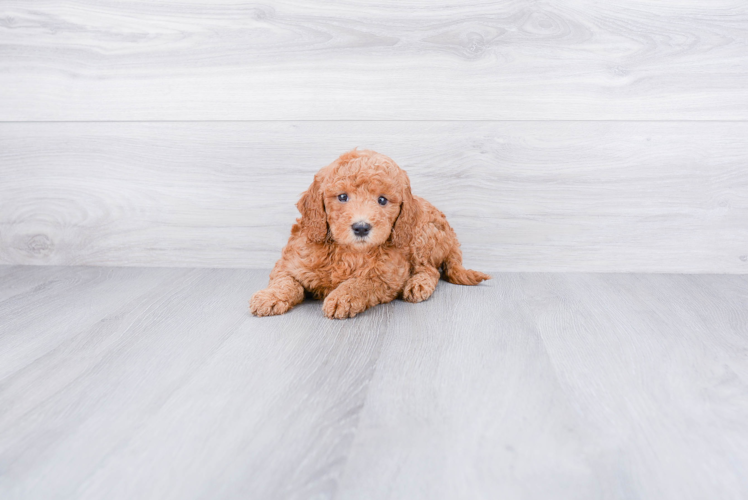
(410, 241)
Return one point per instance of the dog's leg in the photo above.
(282, 294)
(357, 295)
(421, 284)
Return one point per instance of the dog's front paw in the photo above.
(339, 305)
(266, 303)
(418, 288)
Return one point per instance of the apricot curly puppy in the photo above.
(363, 239)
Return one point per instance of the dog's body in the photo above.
(363, 239)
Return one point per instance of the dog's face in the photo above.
(361, 200)
(361, 210)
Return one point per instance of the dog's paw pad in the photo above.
(416, 290)
(265, 303)
(340, 306)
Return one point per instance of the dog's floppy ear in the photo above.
(405, 224)
(313, 217)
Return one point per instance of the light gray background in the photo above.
(578, 137)
(556, 136)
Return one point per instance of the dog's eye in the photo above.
(382, 200)
(343, 197)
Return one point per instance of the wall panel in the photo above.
(552, 196)
(283, 60)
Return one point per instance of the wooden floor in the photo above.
(124, 383)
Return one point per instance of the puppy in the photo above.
(363, 239)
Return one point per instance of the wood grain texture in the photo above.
(246, 408)
(521, 59)
(561, 386)
(552, 196)
(157, 383)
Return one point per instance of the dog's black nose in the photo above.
(361, 229)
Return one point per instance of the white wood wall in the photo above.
(556, 135)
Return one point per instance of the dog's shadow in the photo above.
(312, 308)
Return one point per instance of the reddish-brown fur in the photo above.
(409, 242)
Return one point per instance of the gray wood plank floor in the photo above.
(522, 196)
(157, 383)
(342, 60)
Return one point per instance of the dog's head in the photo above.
(361, 200)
